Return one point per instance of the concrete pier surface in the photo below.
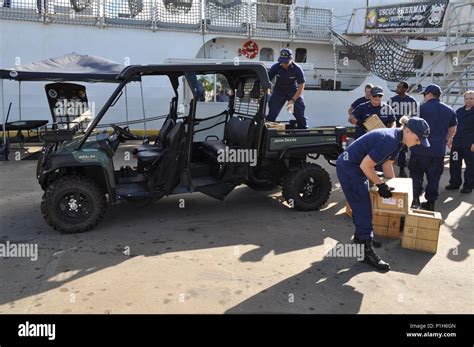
(248, 254)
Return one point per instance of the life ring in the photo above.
(250, 49)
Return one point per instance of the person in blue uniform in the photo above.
(222, 95)
(200, 92)
(368, 87)
(403, 105)
(430, 161)
(463, 147)
(374, 106)
(357, 164)
(288, 88)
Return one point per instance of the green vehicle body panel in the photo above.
(281, 142)
(90, 155)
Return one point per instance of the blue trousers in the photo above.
(432, 167)
(278, 100)
(356, 189)
(460, 152)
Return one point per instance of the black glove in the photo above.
(384, 190)
(360, 123)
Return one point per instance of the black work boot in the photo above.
(375, 243)
(416, 202)
(371, 258)
(451, 187)
(429, 205)
(402, 172)
(466, 190)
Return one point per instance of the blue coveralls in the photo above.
(286, 84)
(429, 161)
(381, 145)
(366, 109)
(461, 149)
(406, 106)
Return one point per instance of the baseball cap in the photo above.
(421, 129)
(285, 55)
(432, 88)
(376, 91)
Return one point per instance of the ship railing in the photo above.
(28, 10)
(244, 18)
(227, 16)
(85, 12)
(255, 19)
(458, 23)
(178, 15)
(311, 23)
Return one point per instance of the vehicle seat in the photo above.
(167, 177)
(148, 157)
(160, 142)
(235, 136)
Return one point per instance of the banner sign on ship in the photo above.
(407, 17)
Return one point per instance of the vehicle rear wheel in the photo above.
(73, 204)
(308, 188)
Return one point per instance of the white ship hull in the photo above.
(23, 42)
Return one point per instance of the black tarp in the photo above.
(69, 67)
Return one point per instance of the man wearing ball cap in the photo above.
(429, 161)
(288, 89)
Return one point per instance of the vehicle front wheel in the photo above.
(307, 188)
(73, 204)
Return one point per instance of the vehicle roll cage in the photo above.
(234, 74)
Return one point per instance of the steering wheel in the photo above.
(124, 133)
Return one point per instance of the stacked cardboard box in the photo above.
(373, 122)
(400, 201)
(391, 216)
(387, 224)
(421, 230)
(388, 214)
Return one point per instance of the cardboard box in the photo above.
(387, 224)
(421, 230)
(373, 122)
(348, 210)
(275, 125)
(400, 201)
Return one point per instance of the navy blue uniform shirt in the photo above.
(380, 144)
(365, 110)
(406, 106)
(359, 101)
(440, 117)
(465, 131)
(286, 80)
(384, 111)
